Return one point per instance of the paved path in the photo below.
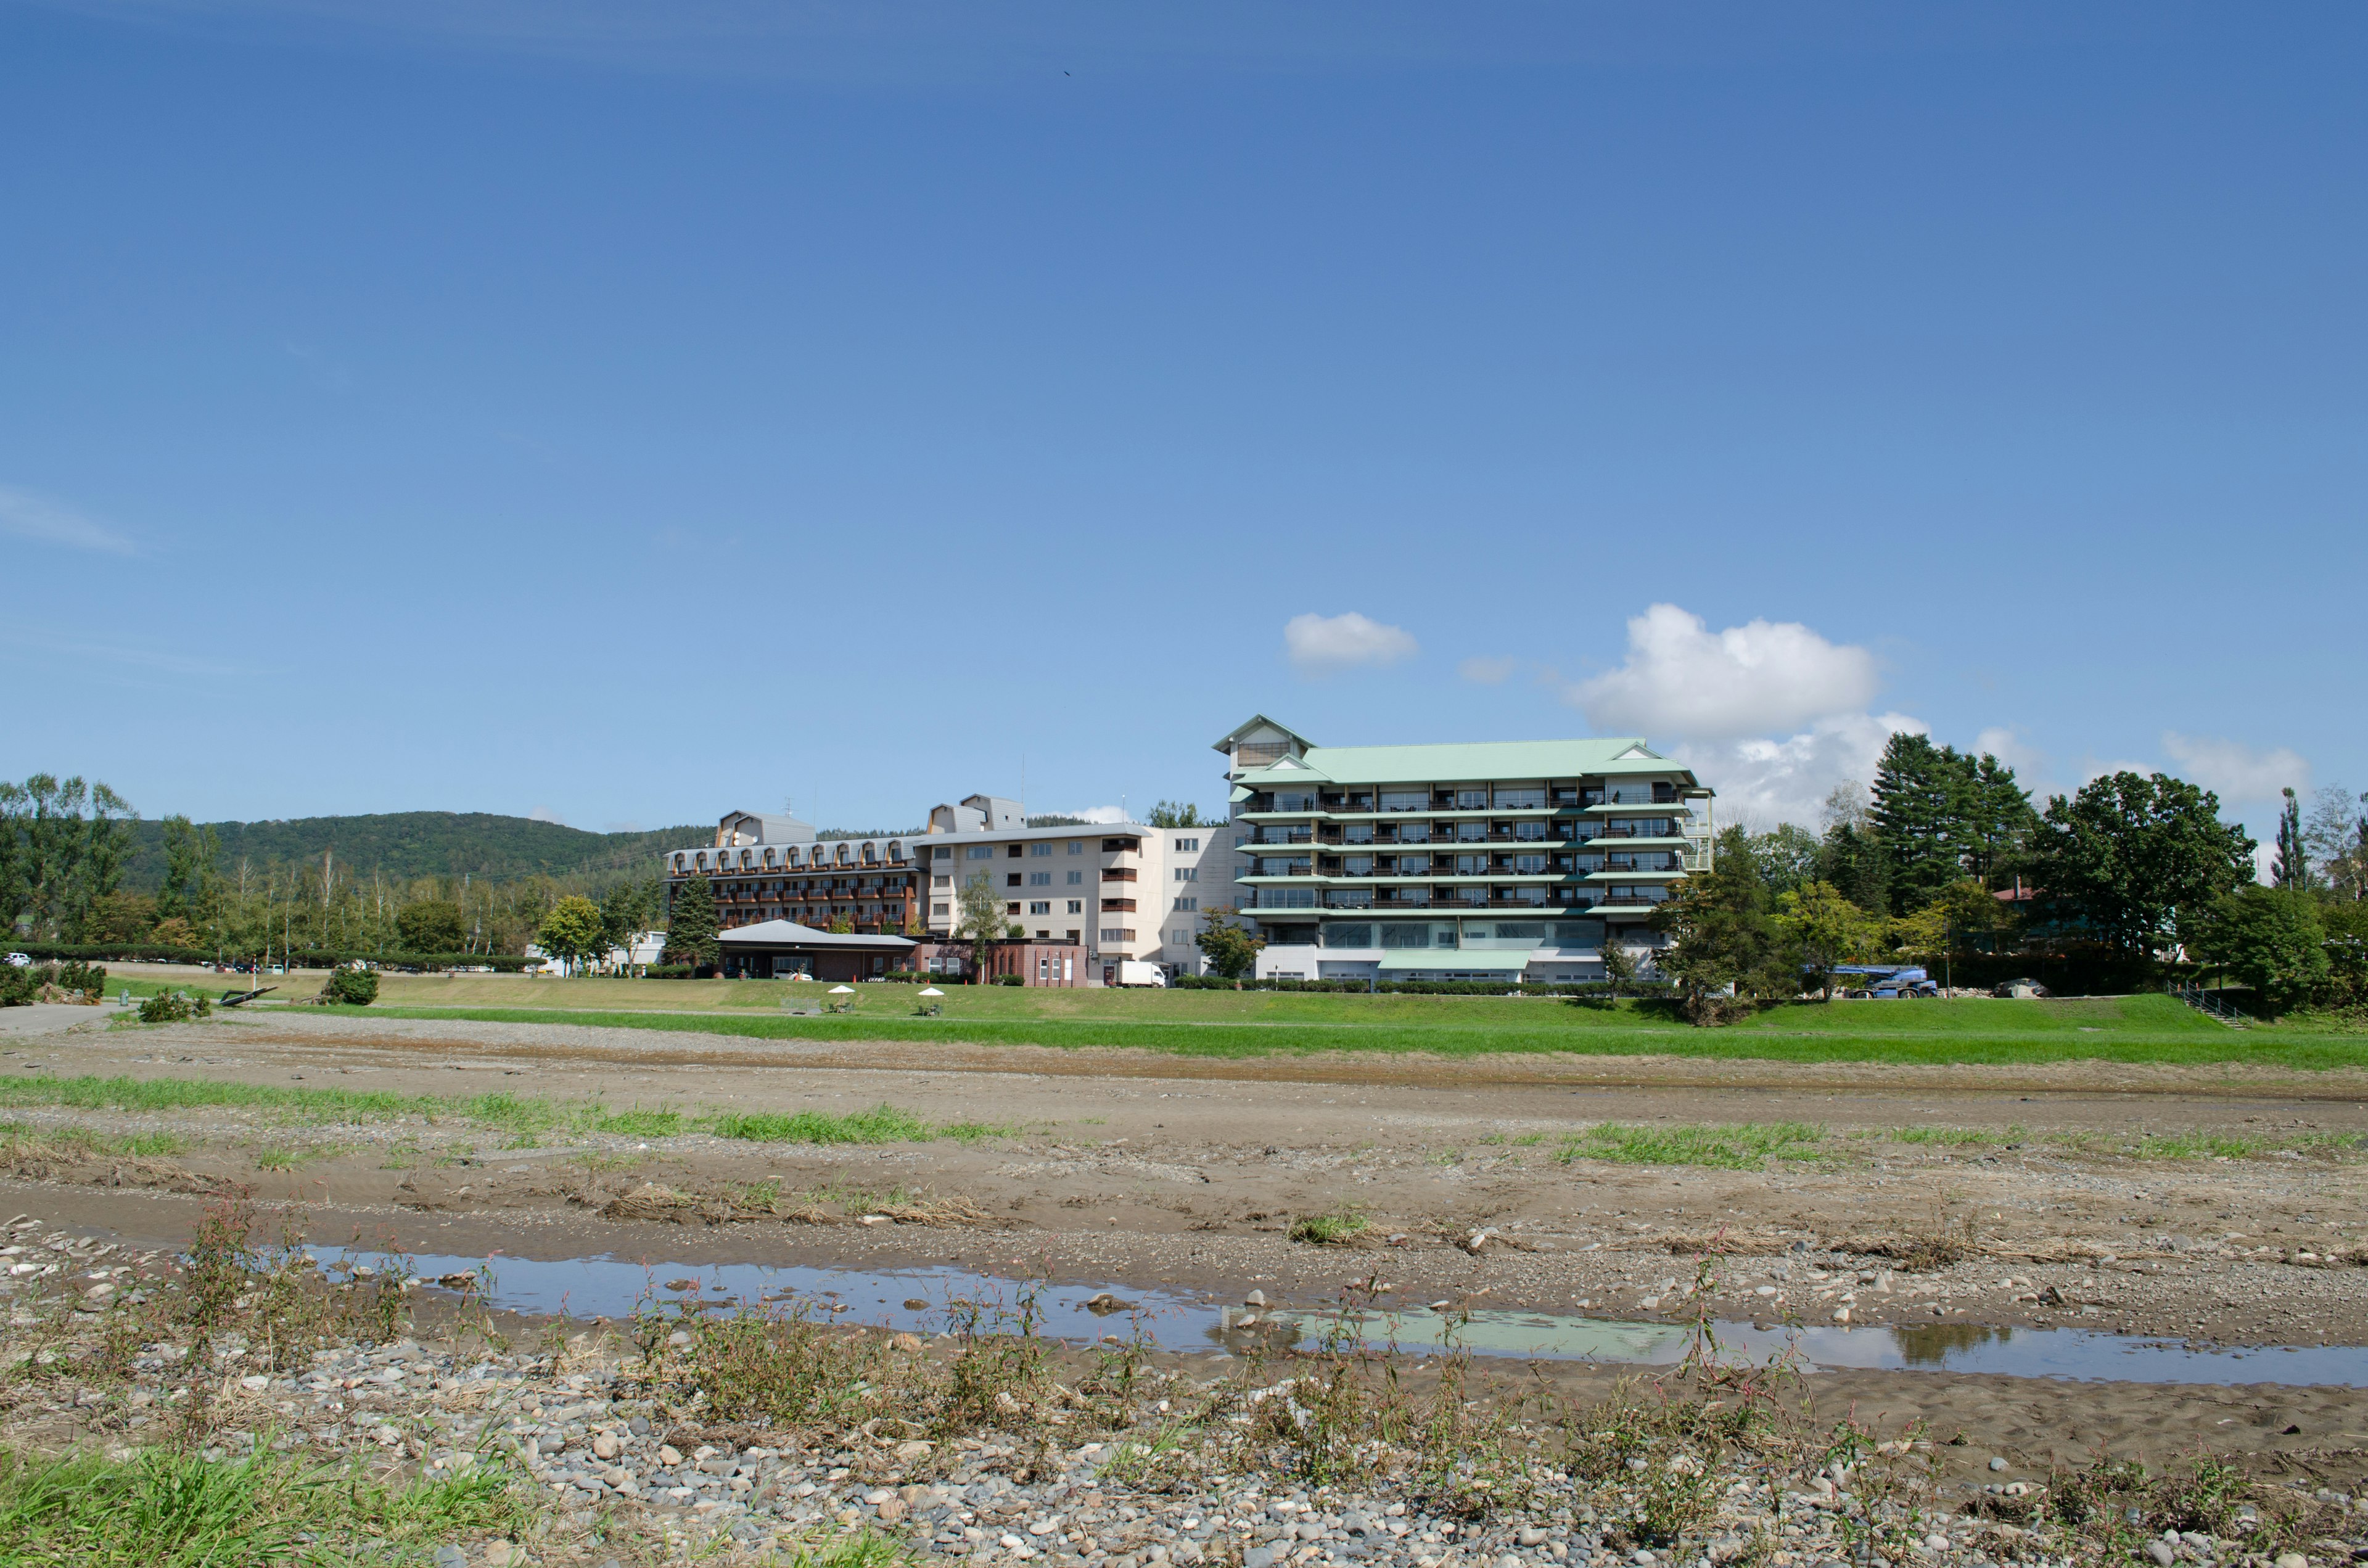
(51, 1017)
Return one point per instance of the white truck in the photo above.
(1132, 971)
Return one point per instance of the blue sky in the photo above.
(597, 408)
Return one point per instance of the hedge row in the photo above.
(1429, 987)
(145, 952)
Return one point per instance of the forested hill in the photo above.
(426, 844)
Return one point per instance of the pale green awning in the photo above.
(1474, 961)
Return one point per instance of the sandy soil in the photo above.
(1140, 1171)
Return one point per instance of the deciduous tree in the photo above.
(1826, 931)
(1231, 950)
(432, 926)
(2126, 858)
(979, 909)
(572, 932)
(2273, 939)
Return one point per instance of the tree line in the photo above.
(64, 847)
(1944, 856)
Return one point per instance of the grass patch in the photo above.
(175, 1508)
(22, 1138)
(1734, 1146)
(2143, 1028)
(880, 1124)
(282, 1159)
(639, 1123)
(1334, 1229)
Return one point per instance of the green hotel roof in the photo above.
(1474, 761)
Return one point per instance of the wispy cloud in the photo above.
(1487, 672)
(42, 640)
(1319, 644)
(545, 813)
(30, 517)
(2235, 771)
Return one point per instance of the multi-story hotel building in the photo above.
(1502, 861)
(1118, 889)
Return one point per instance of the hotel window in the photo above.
(1011, 909)
(1011, 880)
(1527, 798)
(1042, 906)
(1405, 799)
(1039, 849)
(1076, 878)
(1471, 800)
(943, 853)
(1076, 906)
(1039, 879)
(1187, 846)
(1188, 904)
(1188, 873)
(1179, 939)
(942, 881)
(1016, 850)
(1118, 934)
(1077, 846)
(942, 909)
(1529, 864)
(981, 851)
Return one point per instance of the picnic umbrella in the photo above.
(931, 991)
(842, 990)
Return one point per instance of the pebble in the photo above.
(1998, 1463)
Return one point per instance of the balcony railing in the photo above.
(1119, 874)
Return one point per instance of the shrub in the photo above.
(354, 987)
(76, 975)
(18, 986)
(174, 1007)
(1010, 979)
(668, 972)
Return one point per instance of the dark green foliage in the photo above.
(191, 890)
(2127, 858)
(18, 986)
(1850, 859)
(402, 845)
(630, 909)
(2345, 921)
(1939, 814)
(2290, 868)
(1010, 979)
(1167, 814)
(174, 1007)
(352, 987)
(1789, 858)
(1727, 936)
(62, 845)
(2271, 938)
(432, 926)
(691, 925)
(1231, 950)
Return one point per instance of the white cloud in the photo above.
(1093, 813)
(27, 515)
(1768, 780)
(1319, 644)
(1685, 680)
(1487, 672)
(2235, 771)
(545, 813)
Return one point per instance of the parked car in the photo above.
(21, 960)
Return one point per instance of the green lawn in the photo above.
(1241, 1023)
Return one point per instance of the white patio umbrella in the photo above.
(842, 990)
(931, 991)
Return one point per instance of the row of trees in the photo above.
(2138, 868)
(64, 845)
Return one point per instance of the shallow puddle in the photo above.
(929, 1300)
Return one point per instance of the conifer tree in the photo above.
(2290, 868)
(690, 924)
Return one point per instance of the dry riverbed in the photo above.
(2223, 1208)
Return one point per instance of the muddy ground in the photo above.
(1137, 1171)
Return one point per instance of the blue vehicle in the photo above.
(1887, 982)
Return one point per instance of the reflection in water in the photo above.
(928, 1300)
(1931, 1343)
